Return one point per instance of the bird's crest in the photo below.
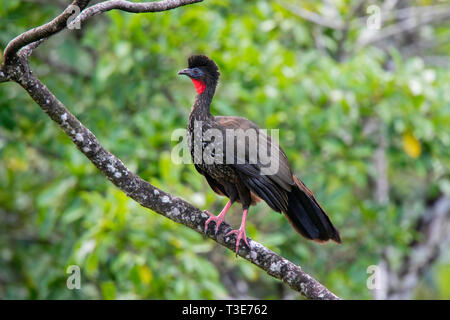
(202, 61)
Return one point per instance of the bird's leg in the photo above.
(219, 219)
(240, 234)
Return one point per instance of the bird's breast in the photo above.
(206, 155)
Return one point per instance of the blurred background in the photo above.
(360, 91)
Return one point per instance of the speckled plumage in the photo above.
(243, 181)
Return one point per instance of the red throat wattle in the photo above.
(200, 86)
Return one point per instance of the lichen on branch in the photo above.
(15, 67)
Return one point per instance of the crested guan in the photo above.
(242, 177)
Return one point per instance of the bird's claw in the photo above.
(240, 235)
(218, 220)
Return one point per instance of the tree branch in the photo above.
(132, 7)
(41, 32)
(16, 68)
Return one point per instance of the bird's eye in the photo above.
(196, 71)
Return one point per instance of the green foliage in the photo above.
(57, 210)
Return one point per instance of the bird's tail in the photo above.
(307, 216)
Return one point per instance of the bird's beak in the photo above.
(186, 72)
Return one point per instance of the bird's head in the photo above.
(202, 71)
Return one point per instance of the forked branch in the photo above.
(16, 68)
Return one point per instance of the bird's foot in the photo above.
(240, 235)
(218, 220)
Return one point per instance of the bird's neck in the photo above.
(201, 108)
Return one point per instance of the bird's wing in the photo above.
(217, 187)
(270, 185)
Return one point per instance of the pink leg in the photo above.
(219, 219)
(240, 234)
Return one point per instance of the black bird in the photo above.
(240, 177)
